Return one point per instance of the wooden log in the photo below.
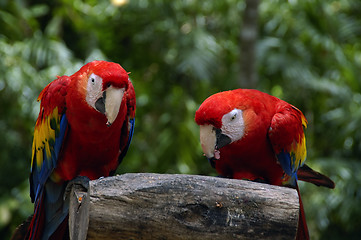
(78, 212)
(174, 206)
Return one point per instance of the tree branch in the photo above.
(174, 206)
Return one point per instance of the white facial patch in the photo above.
(94, 89)
(208, 139)
(233, 124)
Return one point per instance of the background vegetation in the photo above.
(180, 52)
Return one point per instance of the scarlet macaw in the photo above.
(248, 134)
(84, 128)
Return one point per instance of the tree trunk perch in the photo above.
(175, 206)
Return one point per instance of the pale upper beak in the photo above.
(110, 103)
(212, 140)
(208, 140)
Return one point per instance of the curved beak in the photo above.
(100, 103)
(110, 102)
(212, 140)
(208, 140)
(222, 139)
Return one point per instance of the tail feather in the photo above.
(37, 222)
(62, 232)
(50, 217)
(307, 174)
(302, 229)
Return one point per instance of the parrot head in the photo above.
(221, 123)
(103, 84)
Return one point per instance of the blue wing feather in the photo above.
(49, 134)
(284, 158)
(59, 139)
(40, 181)
(131, 131)
(288, 141)
(39, 176)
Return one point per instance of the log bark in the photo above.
(174, 206)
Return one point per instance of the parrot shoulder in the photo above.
(131, 102)
(286, 134)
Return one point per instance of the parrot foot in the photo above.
(222, 176)
(259, 180)
(79, 180)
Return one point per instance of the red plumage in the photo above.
(248, 134)
(84, 128)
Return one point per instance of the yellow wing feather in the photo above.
(44, 137)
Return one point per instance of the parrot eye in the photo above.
(233, 124)
(94, 82)
(233, 114)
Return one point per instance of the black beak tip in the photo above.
(212, 161)
(100, 105)
(222, 139)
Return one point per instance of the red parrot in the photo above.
(84, 128)
(248, 134)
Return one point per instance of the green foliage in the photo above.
(179, 53)
(310, 53)
(334, 215)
